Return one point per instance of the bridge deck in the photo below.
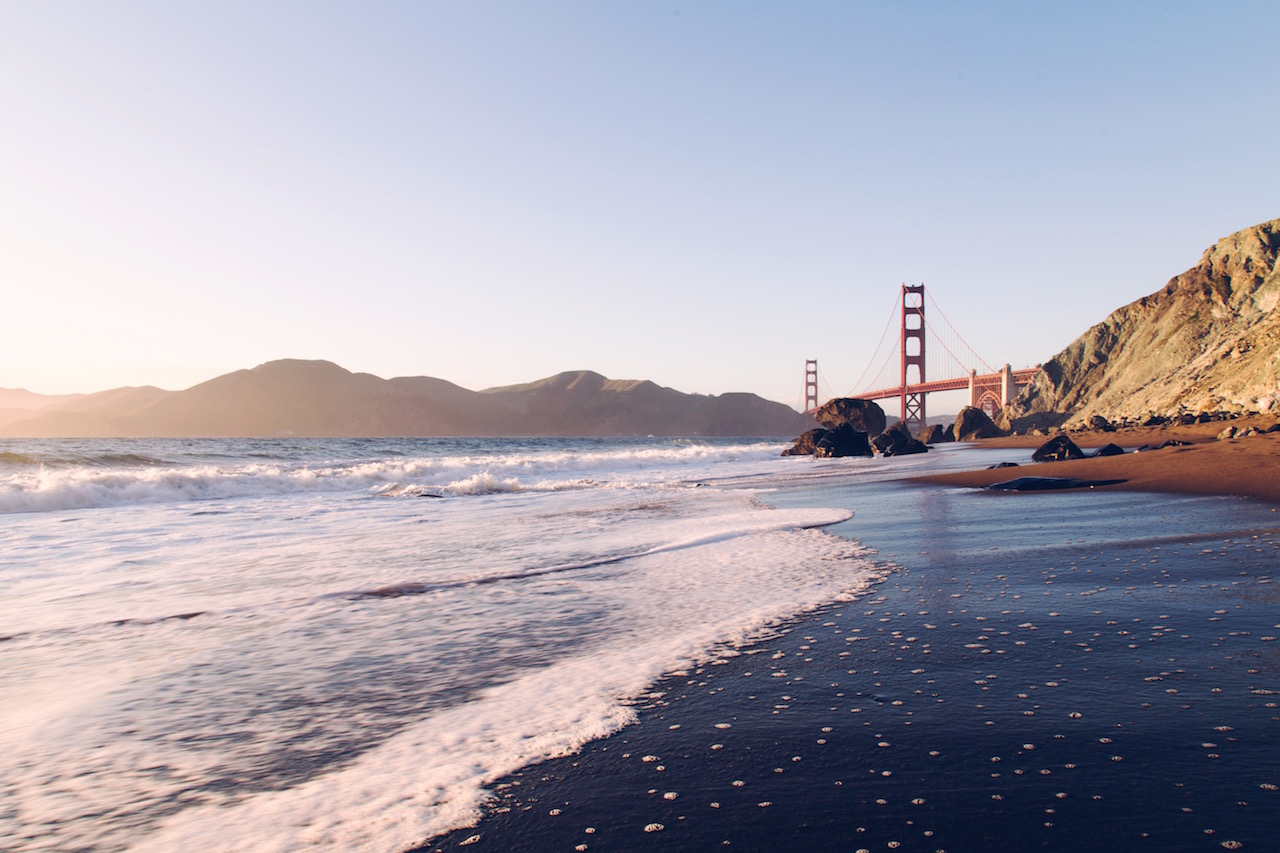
(1020, 377)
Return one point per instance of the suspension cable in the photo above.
(959, 337)
(894, 313)
(887, 359)
(938, 339)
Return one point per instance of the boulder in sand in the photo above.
(1043, 484)
(972, 424)
(1109, 450)
(806, 443)
(934, 435)
(1101, 424)
(897, 441)
(862, 415)
(842, 441)
(1057, 449)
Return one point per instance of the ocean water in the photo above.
(337, 644)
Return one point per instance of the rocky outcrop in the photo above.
(1044, 484)
(862, 415)
(846, 424)
(972, 424)
(897, 441)
(1100, 424)
(842, 441)
(806, 443)
(1057, 449)
(1207, 342)
(1109, 450)
(935, 434)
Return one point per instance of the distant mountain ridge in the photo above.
(293, 397)
(1208, 341)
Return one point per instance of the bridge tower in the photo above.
(913, 415)
(810, 385)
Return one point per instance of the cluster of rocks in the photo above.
(1237, 432)
(847, 424)
(1060, 448)
(1097, 423)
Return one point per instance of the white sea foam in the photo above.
(39, 488)
(679, 600)
(336, 669)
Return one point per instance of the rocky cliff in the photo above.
(1209, 341)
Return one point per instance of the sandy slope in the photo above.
(1248, 467)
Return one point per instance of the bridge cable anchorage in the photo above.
(972, 351)
(893, 315)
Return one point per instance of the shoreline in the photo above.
(1247, 467)
(1078, 670)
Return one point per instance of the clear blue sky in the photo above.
(701, 194)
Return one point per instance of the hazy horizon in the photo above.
(947, 401)
(703, 197)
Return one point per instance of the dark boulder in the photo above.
(842, 441)
(950, 433)
(1109, 450)
(1173, 442)
(1057, 449)
(1101, 424)
(897, 441)
(934, 435)
(972, 424)
(860, 414)
(806, 443)
(1002, 465)
(1043, 484)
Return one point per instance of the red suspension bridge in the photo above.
(991, 390)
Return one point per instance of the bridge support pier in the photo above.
(913, 415)
(810, 385)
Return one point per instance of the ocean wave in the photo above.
(118, 478)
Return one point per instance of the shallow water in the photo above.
(1077, 671)
(261, 645)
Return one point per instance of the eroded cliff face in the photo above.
(1209, 341)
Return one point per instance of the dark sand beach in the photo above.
(1246, 467)
(1083, 670)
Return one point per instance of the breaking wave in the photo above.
(83, 475)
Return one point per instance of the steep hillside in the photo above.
(1209, 341)
(318, 398)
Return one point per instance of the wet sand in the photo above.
(1060, 671)
(1246, 467)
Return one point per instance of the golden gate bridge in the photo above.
(990, 390)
